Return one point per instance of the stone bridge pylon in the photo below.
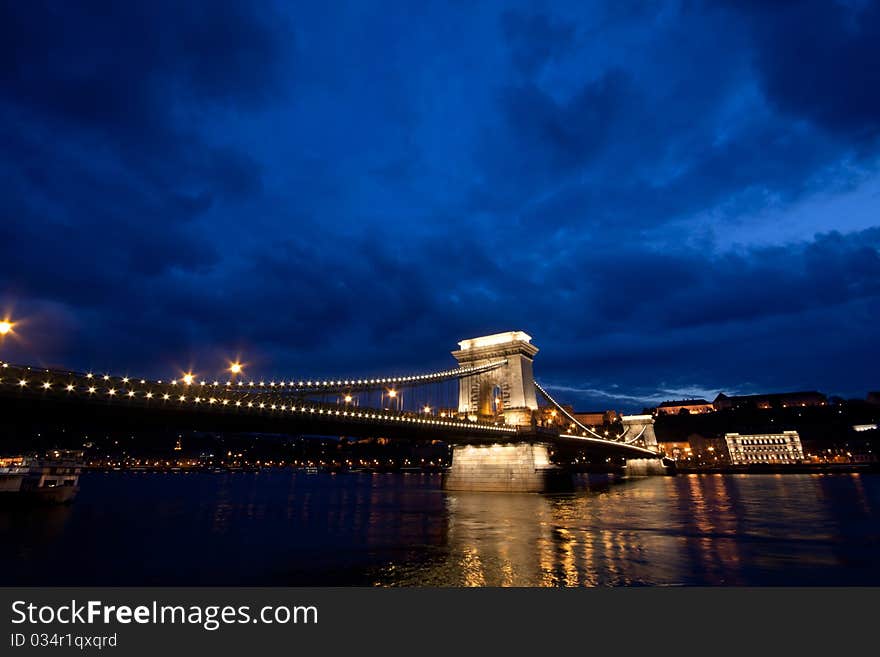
(507, 391)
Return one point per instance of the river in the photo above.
(292, 528)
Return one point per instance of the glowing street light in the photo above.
(188, 378)
(392, 393)
(6, 327)
(235, 367)
(348, 399)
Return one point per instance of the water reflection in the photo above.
(691, 530)
(285, 528)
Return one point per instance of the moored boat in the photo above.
(52, 478)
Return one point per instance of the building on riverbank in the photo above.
(774, 448)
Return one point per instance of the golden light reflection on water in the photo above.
(707, 529)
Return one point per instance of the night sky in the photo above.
(673, 199)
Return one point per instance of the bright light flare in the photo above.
(6, 327)
(188, 378)
(236, 367)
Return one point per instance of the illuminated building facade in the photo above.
(774, 448)
(685, 405)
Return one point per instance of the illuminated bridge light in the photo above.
(106, 377)
(125, 379)
(250, 404)
(238, 403)
(131, 393)
(262, 405)
(22, 382)
(181, 398)
(112, 392)
(197, 400)
(212, 401)
(47, 385)
(92, 390)
(149, 395)
(69, 387)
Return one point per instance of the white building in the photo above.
(777, 448)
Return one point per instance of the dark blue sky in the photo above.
(673, 199)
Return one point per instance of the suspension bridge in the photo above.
(486, 408)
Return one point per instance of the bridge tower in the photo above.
(508, 390)
(640, 430)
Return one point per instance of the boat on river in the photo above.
(50, 478)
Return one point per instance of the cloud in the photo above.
(648, 398)
(351, 194)
(535, 39)
(821, 61)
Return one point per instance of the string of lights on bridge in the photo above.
(106, 386)
(329, 385)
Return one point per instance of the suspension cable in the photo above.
(571, 417)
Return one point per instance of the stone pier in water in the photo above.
(511, 468)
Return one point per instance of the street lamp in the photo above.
(6, 327)
(188, 378)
